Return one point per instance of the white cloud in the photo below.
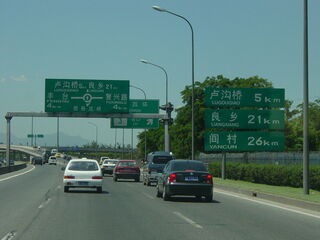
(21, 78)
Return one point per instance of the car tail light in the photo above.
(172, 178)
(97, 177)
(69, 177)
(209, 178)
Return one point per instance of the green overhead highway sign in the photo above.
(89, 96)
(35, 135)
(244, 141)
(139, 106)
(137, 123)
(244, 97)
(143, 106)
(244, 119)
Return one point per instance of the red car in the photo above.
(126, 169)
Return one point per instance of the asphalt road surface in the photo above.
(33, 206)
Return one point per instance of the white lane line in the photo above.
(188, 220)
(268, 203)
(45, 203)
(33, 167)
(9, 235)
(148, 196)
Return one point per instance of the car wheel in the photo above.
(66, 189)
(99, 189)
(165, 196)
(158, 192)
(137, 179)
(148, 183)
(209, 198)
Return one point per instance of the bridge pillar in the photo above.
(8, 118)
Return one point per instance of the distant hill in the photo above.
(48, 140)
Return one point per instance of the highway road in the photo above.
(33, 206)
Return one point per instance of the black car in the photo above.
(155, 164)
(185, 177)
(37, 160)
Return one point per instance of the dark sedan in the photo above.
(37, 160)
(185, 177)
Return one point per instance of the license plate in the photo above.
(191, 179)
(83, 183)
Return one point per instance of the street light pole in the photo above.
(58, 134)
(166, 121)
(145, 132)
(96, 131)
(305, 105)
(192, 48)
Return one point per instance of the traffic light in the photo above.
(163, 107)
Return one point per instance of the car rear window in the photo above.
(184, 165)
(161, 159)
(83, 166)
(109, 162)
(127, 164)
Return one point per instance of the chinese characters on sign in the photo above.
(137, 123)
(244, 141)
(244, 119)
(139, 106)
(244, 97)
(91, 96)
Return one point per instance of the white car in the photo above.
(52, 160)
(102, 159)
(82, 173)
(108, 166)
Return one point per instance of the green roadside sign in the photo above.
(90, 96)
(244, 141)
(244, 97)
(244, 119)
(139, 106)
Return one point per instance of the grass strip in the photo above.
(296, 193)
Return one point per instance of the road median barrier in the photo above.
(13, 168)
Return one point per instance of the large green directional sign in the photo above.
(244, 119)
(244, 97)
(244, 141)
(90, 96)
(139, 106)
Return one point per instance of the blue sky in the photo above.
(104, 39)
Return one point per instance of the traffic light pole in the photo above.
(166, 135)
(167, 121)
